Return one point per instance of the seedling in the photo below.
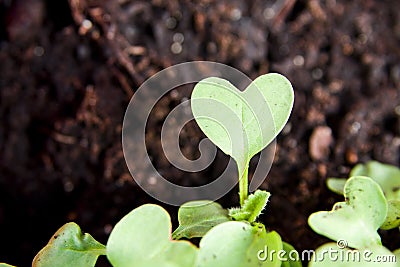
(388, 178)
(370, 204)
(249, 121)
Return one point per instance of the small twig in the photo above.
(282, 9)
(62, 138)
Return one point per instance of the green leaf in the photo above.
(291, 255)
(241, 124)
(214, 99)
(356, 221)
(336, 185)
(329, 255)
(69, 247)
(196, 218)
(238, 244)
(143, 239)
(252, 208)
(5, 265)
(387, 176)
(393, 215)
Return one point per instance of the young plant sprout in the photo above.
(241, 124)
(370, 204)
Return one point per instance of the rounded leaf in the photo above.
(241, 124)
(238, 244)
(143, 239)
(393, 215)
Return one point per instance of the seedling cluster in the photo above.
(229, 238)
(245, 125)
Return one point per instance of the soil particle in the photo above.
(320, 142)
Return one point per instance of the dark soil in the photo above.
(69, 68)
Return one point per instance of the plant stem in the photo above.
(244, 185)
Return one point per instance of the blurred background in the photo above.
(69, 68)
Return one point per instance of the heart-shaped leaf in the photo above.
(69, 247)
(143, 239)
(356, 221)
(196, 218)
(238, 244)
(330, 255)
(241, 124)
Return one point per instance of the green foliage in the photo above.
(356, 220)
(143, 237)
(393, 215)
(196, 218)
(290, 261)
(241, 124)
(336, 184)
(69, 247)
(236, 244)
(252, 207)
(388, 178)
(353, 223)
(346, 257)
